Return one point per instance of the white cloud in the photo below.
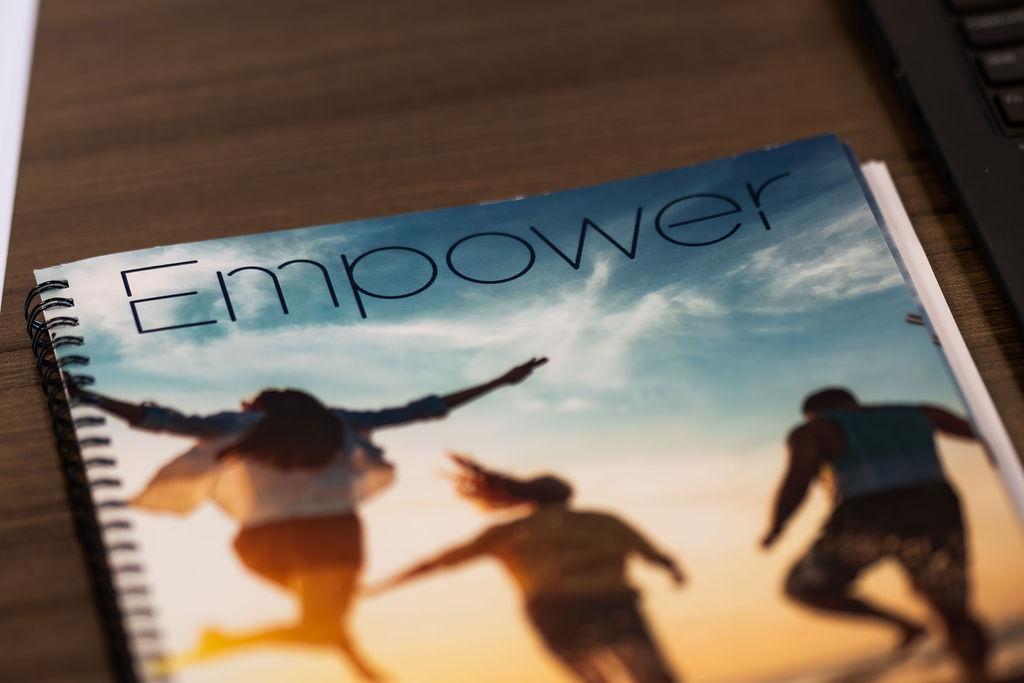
(587, 334)
(574, 405)
(845, 260)
(698, 304)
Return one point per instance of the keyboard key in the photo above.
(1004, 66)
(1012, 104)
(997, 28)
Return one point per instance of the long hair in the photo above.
(494, 490)
(296, 432)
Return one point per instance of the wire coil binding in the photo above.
(126, 617)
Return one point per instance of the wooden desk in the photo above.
(152, 123)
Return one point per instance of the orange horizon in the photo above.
(729, 624)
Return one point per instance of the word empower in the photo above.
(713, 215)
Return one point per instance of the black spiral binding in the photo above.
(112, 565)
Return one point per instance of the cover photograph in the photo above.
(690, 426)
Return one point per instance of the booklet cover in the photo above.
(682, 426)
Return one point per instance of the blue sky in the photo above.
(721, 340)
(673, 380)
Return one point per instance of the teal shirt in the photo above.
(886, 448)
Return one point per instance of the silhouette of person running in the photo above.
(891, 500)
(570, 567)
(291, 472)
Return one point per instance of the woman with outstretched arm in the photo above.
(291, 472)
(569, 566)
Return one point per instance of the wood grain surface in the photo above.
(163, 121)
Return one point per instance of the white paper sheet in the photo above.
(979, 401)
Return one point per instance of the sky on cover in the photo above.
(673, 379)
(727, 338)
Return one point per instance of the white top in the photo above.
(254, 493)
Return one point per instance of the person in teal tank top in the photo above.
(884, 448)
(891, 500)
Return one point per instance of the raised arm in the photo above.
(449, 558)
(433, 407)
(129, 412)
(647, 550)
(158, 419)
(805, 459)
(946, 422)
(513, 376)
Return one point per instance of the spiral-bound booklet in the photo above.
(694, 425)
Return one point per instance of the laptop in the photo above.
(960, 64)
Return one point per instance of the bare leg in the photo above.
(968, 642)
(643, 660)
(326, 603)
(810, 587)
(582, 666)
(215, 642)
(940, 577)
(356, 658)
(325, 599)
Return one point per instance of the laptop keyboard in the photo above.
(993, 35)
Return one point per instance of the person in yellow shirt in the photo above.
(570, 567)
